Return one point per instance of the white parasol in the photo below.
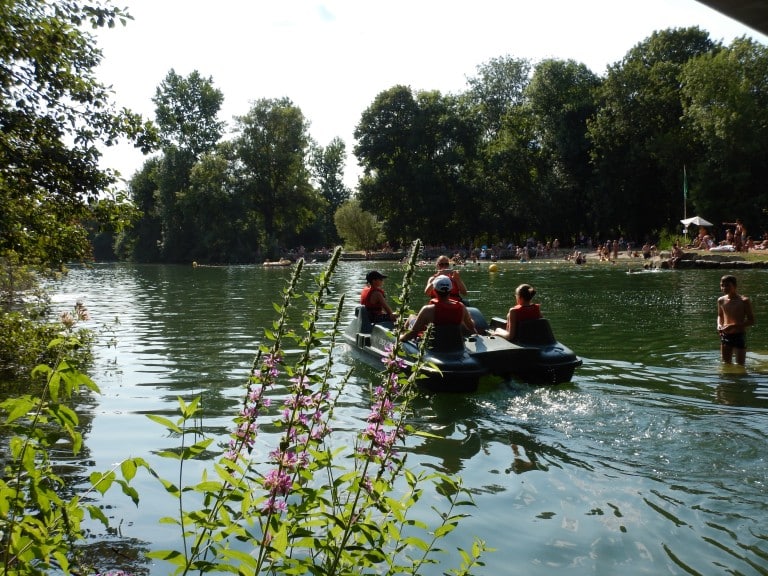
(697, 220)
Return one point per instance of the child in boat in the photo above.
(523, 310)
(374, 299)
(734, 316)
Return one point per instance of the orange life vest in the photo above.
(365, 298)
(529, 312)
(447, 311)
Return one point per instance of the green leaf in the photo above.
(18, 408)
(128, 468)
(171, 426)
(102, 482)
(97, 513)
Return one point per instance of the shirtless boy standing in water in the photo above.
(734, 316)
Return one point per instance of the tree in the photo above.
(505, 180)
(725, 103)
(639, 145)
(53, 115)
(498, 86)
(217, 213)
(141, 242)
(270, 149)
(359, 229)
(186, 112)
(384, 149)
(561, 98)
(417, 153)
(327, 166)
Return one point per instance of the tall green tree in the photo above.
(561, 99)
(214, 208)
(384, 149)
(186, 115)
(141, 241)
(498, 86)
(359, 229)
(508, 151)
(417, 154)
(639, 144)
(725, 103)
(186, 112)
(327, 168)
(271, 148)
(54, 117)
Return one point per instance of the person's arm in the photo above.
(377, 299)
(428, 288)
(469, 322)
(458, 282)
(749, 316)
(509, 332)
(419, 325)
(720, 315)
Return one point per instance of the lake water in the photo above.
(652, 461)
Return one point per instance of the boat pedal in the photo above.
(363, 340)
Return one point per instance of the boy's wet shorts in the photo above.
(738, 340)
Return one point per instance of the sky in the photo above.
(331, 58)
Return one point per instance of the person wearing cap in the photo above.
(522, 310)
(444, 269)
(442, 310)
(374, 299)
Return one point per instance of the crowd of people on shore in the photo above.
(735, 239)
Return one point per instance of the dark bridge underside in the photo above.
(753, 13)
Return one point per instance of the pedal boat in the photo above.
(455, 361)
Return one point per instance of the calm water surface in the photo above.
(652, 461)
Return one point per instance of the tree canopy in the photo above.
(546, 150)
(54, 116)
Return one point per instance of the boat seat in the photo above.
(536, 332)
(365, 322)
(447, 338)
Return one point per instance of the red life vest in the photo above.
(447, 312)
(365, 297)
(529, 312)
(454, 293)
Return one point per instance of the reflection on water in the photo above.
(651, 461)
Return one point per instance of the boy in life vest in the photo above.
(374, 299)
(441, 310)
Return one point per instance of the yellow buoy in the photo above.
(493, 268)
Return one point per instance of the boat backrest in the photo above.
(536, 332)
(365, 321)
(447, 338)
(477, 317)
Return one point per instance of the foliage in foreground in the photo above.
(311, 506)
(26, 331)
(55, 115)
